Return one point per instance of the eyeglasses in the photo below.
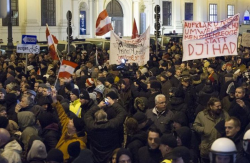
(161, 103)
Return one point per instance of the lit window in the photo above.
(188, 11)
(213, 12)
(246, 17)
(230, 10)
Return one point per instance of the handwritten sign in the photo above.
(245, 39)
(134, 50)
(210, 39)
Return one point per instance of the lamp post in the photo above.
(9, 49)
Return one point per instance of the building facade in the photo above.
(30, 16)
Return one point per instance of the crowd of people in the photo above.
(165, 111)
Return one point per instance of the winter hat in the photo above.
(55, 155)
(171, 70)
(3, 122)
(100, 88)
(69, 86)
(182, 152)
(31, 92)
(90, 81)
(110, 80)
(206, 63)
(76, 92)
(196, 79)
(78, 123)
(144, 70)
(37, 150)
(164, 75)
(2, 108)
(84, 95)
(74, 149)
(85, 156)
(45, 119)
(12, 73)
(101, 79)
(44, 63)
(180, 118)
(112, 95)
(168, 139)
(11, 67)
(155, 85)
(140, 117)
(19, 69)
(3, 91)
(92, 96)
(123, 151)
(185, 134)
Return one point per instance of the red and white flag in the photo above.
(135, 31)
(67, 68)
(103, 24)
(52, 42)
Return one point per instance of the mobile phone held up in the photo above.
(106, 100)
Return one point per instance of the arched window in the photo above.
(246, 17)
(14, 14)
(48, 9)
(83, 18)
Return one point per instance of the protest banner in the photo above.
(245, 39)
(133, 50)
(210, 39)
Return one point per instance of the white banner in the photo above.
(210, 39)
(28, 48)
(134, 50)
(245, 39)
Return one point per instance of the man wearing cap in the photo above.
(75, 105)
(167, 144)
(160, 115)
(86, 102)
(179, 155)
(72, 129)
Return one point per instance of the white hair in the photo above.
(159, 96)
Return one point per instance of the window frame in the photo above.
(48, 12)
(168, 20)
(214, 15)
(232, 14)
(192, 10)
(14, 12)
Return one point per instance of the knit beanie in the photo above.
(55, 155)
(90, 81)
(76, 92)
(112, 95)
(3, 122)
(110, 80)
(84, 95)
(123, 151)
(78, 123)
(74, 149)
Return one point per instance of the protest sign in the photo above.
(133, 50)
(210, 39)
(245, 40)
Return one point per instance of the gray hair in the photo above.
(101, 116)
(159, 96)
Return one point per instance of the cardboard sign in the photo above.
(210, 39)
(245, 40)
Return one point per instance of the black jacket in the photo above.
(104, 136)
(147, 155)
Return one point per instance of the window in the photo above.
(230, 10)
(48, 12)
(167, 13)
(213, 12)
(247, 17)
(14, 14)
(188, 11)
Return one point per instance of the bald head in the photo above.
(4, 136)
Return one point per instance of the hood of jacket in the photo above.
(25, 119)
(85, 156)
(144, 103)
(12, 152)
(185, 134)
(37, 151)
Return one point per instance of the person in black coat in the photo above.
(151, 153)
(50, 132)
(103, 134)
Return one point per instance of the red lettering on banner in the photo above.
(234, 48)
(225, 47)
(214, 49)
(201, 49)
(190, 46)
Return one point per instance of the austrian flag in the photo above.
(52, 42)
(103, 24)
(67, 68)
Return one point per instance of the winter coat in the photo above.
(87, 106)
(11, 101)
(161, 120)
(148, 155)
(104, 136)
(205, 125)
(165, 86)
(27, 121)
(176, 104)
(65, 140)
(226, 102)
(51, 136)
(12, 152)
(85, 156)
(143, 101)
